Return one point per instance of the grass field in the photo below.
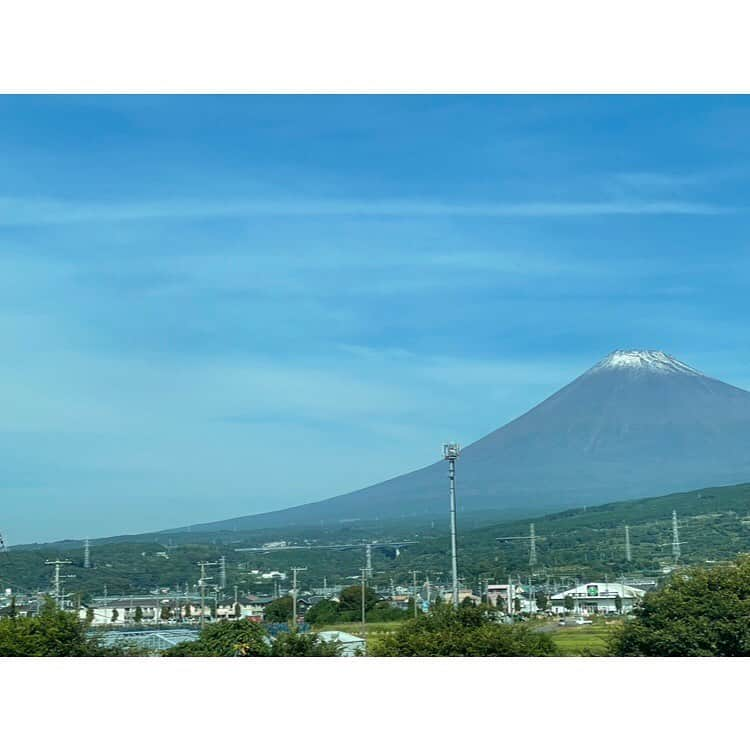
(583, 640)
(571, 640)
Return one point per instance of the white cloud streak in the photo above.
(32, 212)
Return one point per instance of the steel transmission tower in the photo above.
(675, 538)
(87, 554)
(3, 548)
(628, 554)
(451, 452)
(222, 572)
(532, 547)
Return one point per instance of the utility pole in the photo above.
(363, 571)
(532, 548)
(510, 600)
(56, 580)
(628, 555)
(202, 585)
(414, 590)
(451, 452)
(87, 554)
(294, 594)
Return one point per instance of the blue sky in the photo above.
(212, 306)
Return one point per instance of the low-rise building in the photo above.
(498, 592)
(462, 595)
(597, 598)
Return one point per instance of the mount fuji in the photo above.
(638, 423)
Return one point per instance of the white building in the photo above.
(597, 598)
(274, 575)
(351, 645)
(151, 607)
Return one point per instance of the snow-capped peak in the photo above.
(645, 360)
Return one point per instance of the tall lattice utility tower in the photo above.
(675, 538)
(532, 547)
(222, 572)
(628, 553)
(3, 548)
(451, 452)
(87, 553)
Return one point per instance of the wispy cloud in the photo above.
(30, 212)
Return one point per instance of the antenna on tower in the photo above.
(628, 554)
(87, 554)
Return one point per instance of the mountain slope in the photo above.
(637, 423)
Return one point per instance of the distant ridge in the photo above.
(638, 423)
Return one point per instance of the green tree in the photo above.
(279, 610)
(115, 615)
(466, 631)
(12, 610)
(517, 605)
(698, 612)
(324, 612)
(350, 599)
(188, 610)
(237, 610)
(138, 617)
(166, 612)
(541, 601)
(52, 632)
(89, 615)
(568, 603)
(618, 603)
(227, 638)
